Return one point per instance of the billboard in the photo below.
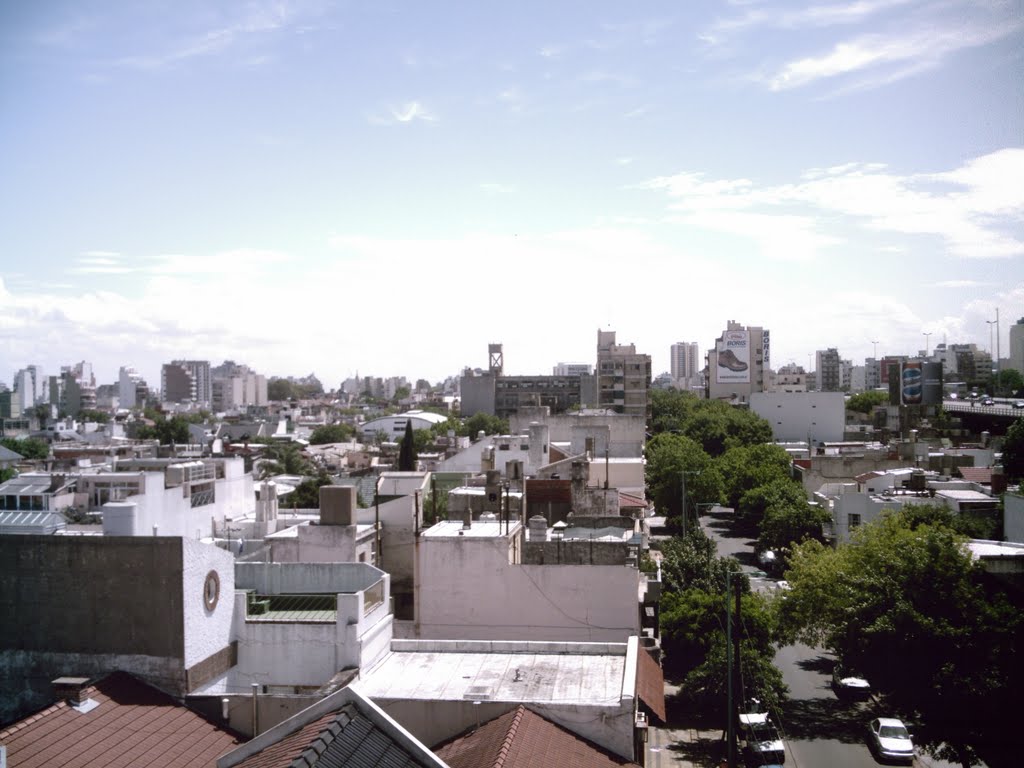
(911, 383)
(732, 358)
(916, 382)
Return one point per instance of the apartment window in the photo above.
(854, 520)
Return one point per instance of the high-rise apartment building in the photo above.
(187, 381)
(684, 363)
(623, 376)
(572, 369)
(828, 370)
(1016, 352)
(132, 389)
(737, 363)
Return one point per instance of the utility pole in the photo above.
(730, 725)
(683, 475)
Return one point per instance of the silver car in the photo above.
(890, 740)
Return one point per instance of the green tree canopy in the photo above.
(748, 466)
(909, 607)
(1013, 451)
(94, 416)
(30, 447)
(489, 425)
(866, 402)
(668, 456)
(717, 426)
(790, 519)
(1010, 381)
(332, 433)
(166, 431)
(407, 450)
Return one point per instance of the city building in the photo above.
(737, 363)
(623, 376)
(573, 369)
(1016, 351)
(685, 364)
(794, 416)
(828, 368)
(132, 389)
(186, 381)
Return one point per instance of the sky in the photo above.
(385, 188)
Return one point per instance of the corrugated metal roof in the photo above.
(650, 684)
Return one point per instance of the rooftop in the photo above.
(520, 672)
(523, 739)
(127, 723)
(480, 529)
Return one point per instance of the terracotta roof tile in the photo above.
(131, 724)
(523, 739)
(981, 475)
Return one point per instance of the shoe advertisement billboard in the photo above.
(732, 355)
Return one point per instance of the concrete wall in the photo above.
(795, 415)
(173, 514)
(839, 469)
(398, 538)
(85, 605)
(207, 631)
(306, 578)
(1013, 517)
(324, 544)
(575, 553)
(626, 433)
(469, 590)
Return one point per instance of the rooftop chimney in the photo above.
(71, 689)
(337, 505)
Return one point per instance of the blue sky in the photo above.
(388, 187)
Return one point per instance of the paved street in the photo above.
(819, 729)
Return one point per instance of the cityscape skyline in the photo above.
(309, 186)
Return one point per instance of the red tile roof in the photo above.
(981, 475)
(523, 739)
(650, 684)
(132, 724)
(629, 501)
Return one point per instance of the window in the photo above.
(854, 520)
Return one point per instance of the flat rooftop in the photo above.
(480, 529)
(440, 670)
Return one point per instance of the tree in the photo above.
(332, 433)
(747, 466)
(29, 448)
(94, 416)
(1010, 381)
(789, 521)
(866, 402)
(407, 450)
(489, 425)
(668, 457)
(307, 493)
(693, 620)
(284, 458)
(910, 608)
(280, 389)
(717, 426)
(1013, 451)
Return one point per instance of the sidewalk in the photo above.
(688, 747)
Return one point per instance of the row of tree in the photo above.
(906, 604)
(705, 452)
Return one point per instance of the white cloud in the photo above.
(961, 284)
(977, 209)
(259, 18)
(922, 48)
(408, 112)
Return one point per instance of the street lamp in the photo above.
(926, 334)
(991, 353)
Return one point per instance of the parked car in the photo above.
(847, 684)
(889, 739)
(1019, 404)
(988, 401)
(762, 744)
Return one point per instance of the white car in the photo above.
(848, 684)
(890, 739)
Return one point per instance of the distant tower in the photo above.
(496, 359)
